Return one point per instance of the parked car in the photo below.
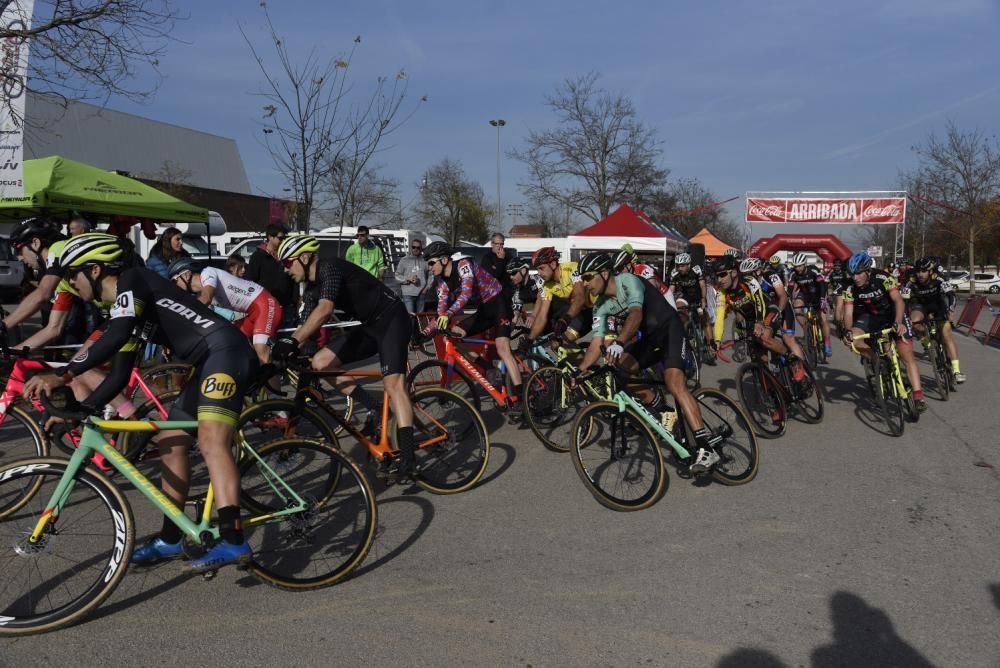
(11, 271)
(984, 283)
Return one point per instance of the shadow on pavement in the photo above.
(142, 583)
(398, 529)
(995, 590)
(509, 455)
(864, 636)
(750, 657)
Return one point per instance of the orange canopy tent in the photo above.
(714, 247)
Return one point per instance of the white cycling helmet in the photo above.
(683, 258)
(799, 259)
(750, 265)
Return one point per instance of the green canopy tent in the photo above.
(54, 186)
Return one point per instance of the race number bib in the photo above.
(696, 269)
(465, 270)
(124, 306)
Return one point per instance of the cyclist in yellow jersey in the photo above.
(562, 306)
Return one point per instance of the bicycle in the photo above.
(70, 546)
(455, 370)
(695, 336)
(886, 380)
(551, 404)
(767, 390)
(628, 476)
(940, 361)
(815, 344)
(450, 438)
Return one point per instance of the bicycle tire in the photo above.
(738, 451)
(941, 383)
(79, 524)
(434, 373)
(812, 356)
(810, 401)
(885, 397)
(269, 421)
(456, 463)
(608, 471)
(340, 500)
(17, 427)
(819, 342)
(547, 408)
(334, 401)
(762, 400)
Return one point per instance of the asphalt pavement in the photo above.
(850, 548)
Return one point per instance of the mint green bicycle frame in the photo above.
(626, 401)
(92, 440)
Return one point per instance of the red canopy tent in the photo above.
(625, 224)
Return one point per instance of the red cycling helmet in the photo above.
(544, 256)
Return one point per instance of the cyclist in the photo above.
(808, 286)
(929, 296)
(145, 302)
(462, 284)
(627, 261)
(523, 287)
(661, 341)
(838, 280)
(755, 267)
(385, 329)
(562, 305)
(690, 292)
(872, 303)
(757, 303)
(263, 312)
(33, 241)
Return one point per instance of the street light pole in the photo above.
(498, 123)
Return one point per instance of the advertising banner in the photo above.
(859, 211)
(16, 16)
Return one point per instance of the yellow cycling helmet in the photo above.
(90, 248)
(775, 259)
(295, 245)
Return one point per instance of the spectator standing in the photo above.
(165, 251)
(366, 254)
(265, 270)
(496, 260)
(78, 225)
(413, 276)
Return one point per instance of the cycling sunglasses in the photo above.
(722, 274)
(431, 263)
(588, 277)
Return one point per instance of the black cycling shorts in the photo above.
(496, 312)
(388, 335)
(221, 380)
(787, 320)
(581, 323)
(868, 323)
(668, 347)
(931, 313)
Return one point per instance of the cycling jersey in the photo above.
(263, 313)
(689, 284)
(563, 287)
(648, 273)
(525, 293)
(148, 307)
(351, 289)
(875, 296)
(838, 280)
(810, 285)
(777, 280)
(936, 297)
(661, 337)
(751, 298)
(469, 283)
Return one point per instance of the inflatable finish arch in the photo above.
(827, 246)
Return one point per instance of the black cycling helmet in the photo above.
(437, 249)
(595, 262)
(623, 259)
(926, 264)
(725, 263)
(49, 231)
(179, 266)
(516, 265)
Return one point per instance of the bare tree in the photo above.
(359, 196)
(313, 124)
(962, 172)
(556, 220)
(452, 205)
(89, 49)
(598, 156)
(687, 206)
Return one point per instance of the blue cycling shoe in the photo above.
(829, 350)
(222, 554)
(156, 550)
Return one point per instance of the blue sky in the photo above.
(766, 95)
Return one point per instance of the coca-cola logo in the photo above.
(889, 211)
(772, 210)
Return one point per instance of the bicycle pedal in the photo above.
(209, 575)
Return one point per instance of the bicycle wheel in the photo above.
(762, 399)
(620, 462)
(278, 418)
(20, 436)
(334, 401)
(739, 457)
(321, 545)
(134, 444)
(808, 398)
(812, 355)
(452, 445)
(935, 357)
(77, 563)
(435, 373)
(907, 400)
(692, 363)
(818, 342)
(885, 397)
(169, 377)
(550, 408)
